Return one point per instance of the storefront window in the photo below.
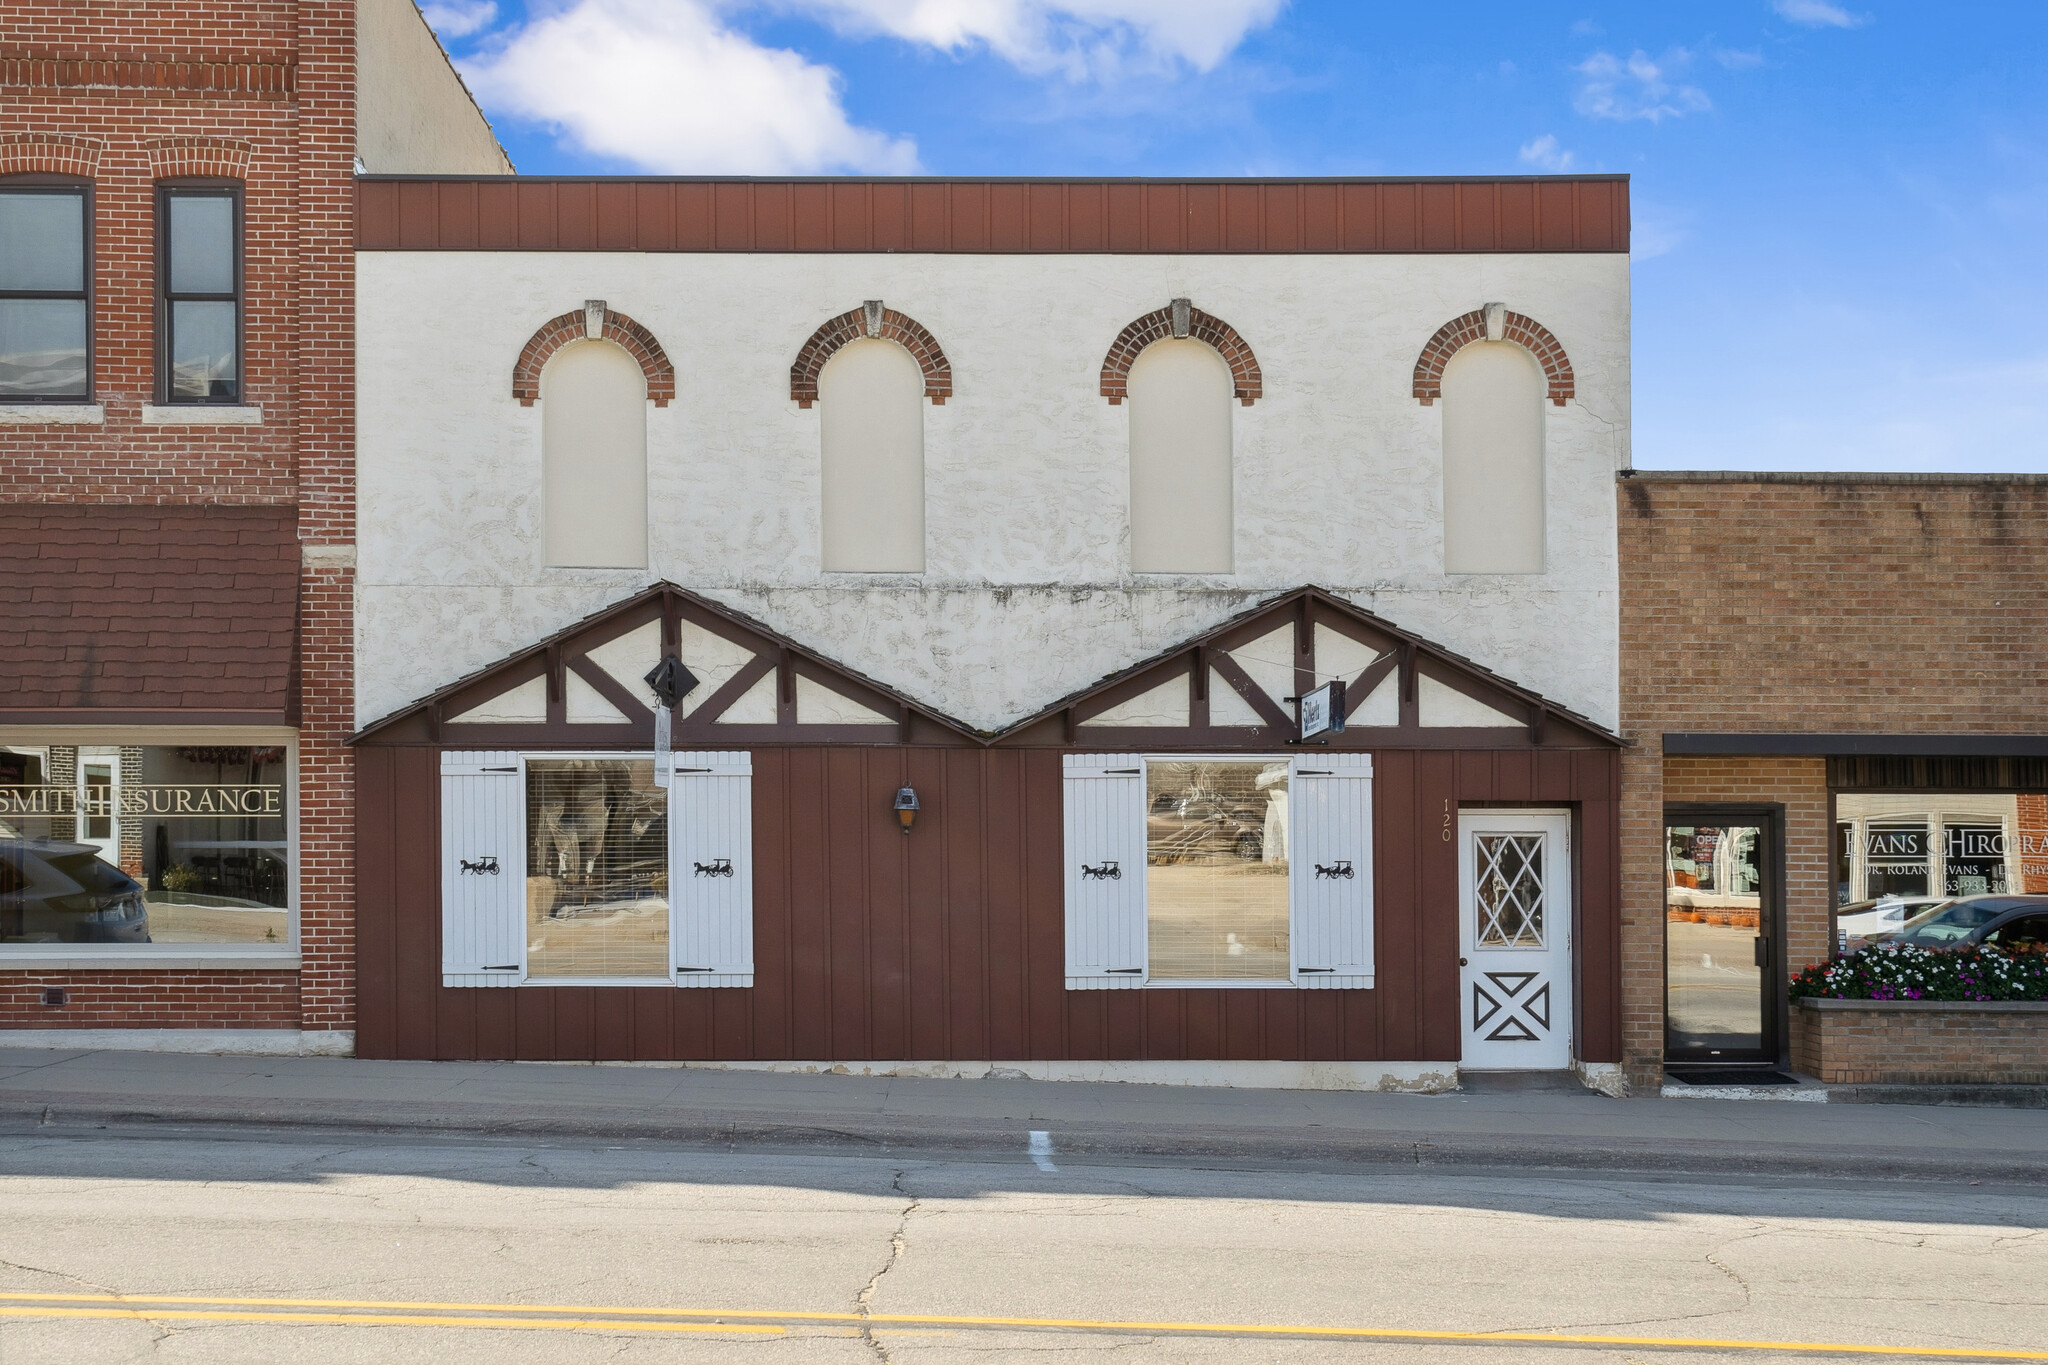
(1934, 845)
(597, 869)
(1216, 870)
(144, 844)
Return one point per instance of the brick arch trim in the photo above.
(213, 156)
(49, 154)
(871, 320)
(1460, 332)
(596, 321)
(1245, 376)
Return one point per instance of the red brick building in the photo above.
(1832, 686)
(177, 500)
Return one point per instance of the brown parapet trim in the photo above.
(995, 216)
(1846, 479)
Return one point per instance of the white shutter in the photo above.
(711, 869)
(1329, 814)
(1105, 848)
(483, 869)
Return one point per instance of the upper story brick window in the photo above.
(199, 273)
(45, 291)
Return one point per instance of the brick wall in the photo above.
(1807, 604)
(264, 89)
(131, 999)
(1921, 1043)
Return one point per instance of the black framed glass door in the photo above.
(1721, 981)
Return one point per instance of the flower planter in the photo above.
(1921, 1042)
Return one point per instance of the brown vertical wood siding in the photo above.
(545, 213)
(948, 944)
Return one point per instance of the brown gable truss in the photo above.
(1323, 637)
(754, 687)
(1227, 689)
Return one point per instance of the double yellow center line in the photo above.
(755, 1322)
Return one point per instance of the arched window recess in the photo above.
(1182, 320)
(1494, 322)
(594, 321)
(876, 322)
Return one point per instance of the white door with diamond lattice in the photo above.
(1514, 939)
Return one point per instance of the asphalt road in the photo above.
(248, 1247)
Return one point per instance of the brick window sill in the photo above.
(145, 959)
(52, 415)
(200, 415)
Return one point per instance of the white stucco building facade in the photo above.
(1027, 594)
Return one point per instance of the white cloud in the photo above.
(668, 86)
(1545, 152)
(460, 18)
(1080, 39)
(1638, 88)
(1816, 13)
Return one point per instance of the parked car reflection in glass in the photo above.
(66, 893)
(1863, 922)
(2008, 921)
(1206, 822)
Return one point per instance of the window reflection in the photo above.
(1713, 900)
(1216, 869)
(201, 283)
(597, 869)
(44, 312)
(144, 844)
(1940, 845)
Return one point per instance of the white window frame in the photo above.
(678, 762)
(76, 957)
(1296, 979)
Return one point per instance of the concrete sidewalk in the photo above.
(74, 1090)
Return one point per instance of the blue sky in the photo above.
(1841, 210)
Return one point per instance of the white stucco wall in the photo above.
(1025, 596)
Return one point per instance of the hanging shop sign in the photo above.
(1322, 711)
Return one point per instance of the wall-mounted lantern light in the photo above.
(906, 807)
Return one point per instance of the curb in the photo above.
(60, 1114)
(1987, 1096)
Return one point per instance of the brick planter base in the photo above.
(1921, 1042)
